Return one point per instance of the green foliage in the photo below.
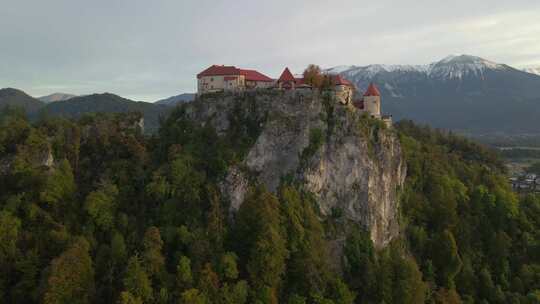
(72, 276)
(463, 221)
(136, 281)
(9, 232)
(193, 296)
(118, 217)
(101, 206)
(316, 140)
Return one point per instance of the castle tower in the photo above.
(286, 80)
(372, 101)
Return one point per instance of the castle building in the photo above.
(372, 101)
(371, 104)
(218, 78)
(287, 81)
(343, 88)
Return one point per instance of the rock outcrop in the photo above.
(351, 163)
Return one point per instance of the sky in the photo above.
(148, 50)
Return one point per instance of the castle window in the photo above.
(211, 79)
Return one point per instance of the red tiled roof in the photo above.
(252, 75)
(339, 80)
(372, 90)
(219, 70)
(286, 76)
(230, 77)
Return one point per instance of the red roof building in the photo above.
(287, 81)
(339, 80)
(252, 75)
(286, 76)
(372, 90)
(219, 70)
(218, 78)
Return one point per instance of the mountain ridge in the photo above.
(11, 97)
(464, 93)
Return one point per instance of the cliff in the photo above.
(351, 163)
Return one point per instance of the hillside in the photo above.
(106, 103)
(259, 198)
(17, 98)
(464, 93)
(174, 100)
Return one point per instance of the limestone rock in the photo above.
(357, 168)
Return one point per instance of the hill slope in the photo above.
(107, 103)
(174, 100)
(18, 98)
(464, 93)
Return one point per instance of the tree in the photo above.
(259, 227)
(118, 248)
(136, 280)
(313, 76)
(307, 267)
(229, 269)
(9, 232)
(153, 245)
(360, 264)
(193, 296)
(184, 277)
(101, 206)
(446, 258)
(234, 294)
(60, 186)
(400, 279)
(445, 296)
(127, 298)
(72, 276)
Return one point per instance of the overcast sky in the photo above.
(146, 50)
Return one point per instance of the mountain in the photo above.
(533, 70)
(18, 98)
(174, 100)
(107, 103)
(465, 93)
(56, 97)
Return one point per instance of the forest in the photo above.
(94, 211)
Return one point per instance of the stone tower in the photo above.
(372, 101)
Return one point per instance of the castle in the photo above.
(220, 78)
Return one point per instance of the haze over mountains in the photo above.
(464, 93)
(56, 97)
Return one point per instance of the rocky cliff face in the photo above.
(351, 163)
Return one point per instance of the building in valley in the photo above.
(218, 78)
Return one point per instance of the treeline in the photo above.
(473, 239)
(93, 211)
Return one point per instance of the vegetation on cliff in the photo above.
(118, 217)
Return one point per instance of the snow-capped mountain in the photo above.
(533, 70)
(458, 92)
(451, 67)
